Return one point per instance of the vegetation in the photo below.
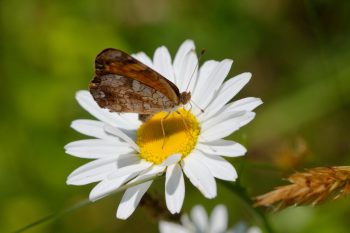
(298, 52)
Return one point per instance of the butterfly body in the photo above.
(124, 84)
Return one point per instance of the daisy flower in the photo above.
(126, 151)
(199, 222)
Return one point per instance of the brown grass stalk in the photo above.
(310, 187)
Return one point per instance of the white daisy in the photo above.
(126, 151)
(199, 222)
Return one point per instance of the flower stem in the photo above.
(241, 192)
(54, 216)
(80, 205)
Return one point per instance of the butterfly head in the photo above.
(185, 97)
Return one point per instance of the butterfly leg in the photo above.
(184, 122)
(162, 126)
(190, 109)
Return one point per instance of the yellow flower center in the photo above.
(181, 133)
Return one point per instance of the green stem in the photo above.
(80, 205)
(241, 192)
(50, 217)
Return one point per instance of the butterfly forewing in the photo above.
(113, 61)
(124, 84)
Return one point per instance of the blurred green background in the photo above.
(298, 52)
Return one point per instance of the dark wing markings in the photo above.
(122, 94)
(113, 61)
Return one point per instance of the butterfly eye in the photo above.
(185, 97)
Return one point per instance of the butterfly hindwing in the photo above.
(122, 94)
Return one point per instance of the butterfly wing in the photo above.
(113, 61)
(122, 94)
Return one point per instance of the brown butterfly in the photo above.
(126, 85)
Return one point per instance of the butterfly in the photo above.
(125, 85)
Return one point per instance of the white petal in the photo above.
(169, 227)
(205, 93)
(131, 118)
(162, 63)
(200, 218)
(92, 172)
(220, 130)
(227, 91)
(128, 166)
(199, 175)
(178, 65)
(142, 165)
(240, 118)
(131, 199)
(142, 57)
(254, 230)
(97, 148)
(187, 75)
(152, 172)
(221, 117)
(223, 125)
(246, 104)
(91, 128)
(218, 219)
(218, 166)
(107, 186)
(203, 78)
(88, 103)
(186, 222)
(243, 120)
(119, 133)
(186, 46)
(222, 147)
(174, 188)
(127, 160)
(172, 159)
(133, 195)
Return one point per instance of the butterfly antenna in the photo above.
(194, 103)
(194, 70)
